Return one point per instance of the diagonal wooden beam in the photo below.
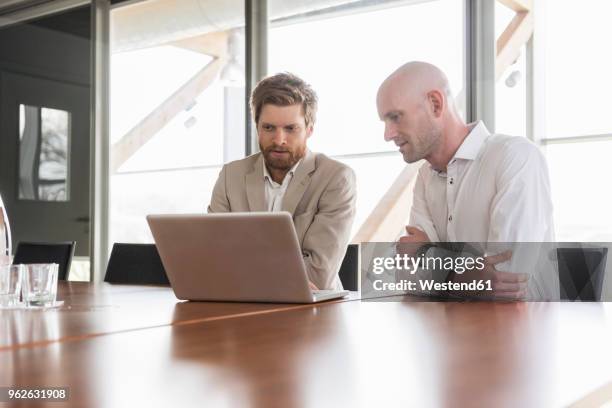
(509, 44)
(144, 131)
(601, 397)
(391, 213)
(516, 34)
(518, 5)
(213, 44)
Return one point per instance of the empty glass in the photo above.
(40, 284)
(10, 285)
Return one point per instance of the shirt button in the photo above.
(451, 181)
(450, 218)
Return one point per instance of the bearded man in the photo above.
(286, 176)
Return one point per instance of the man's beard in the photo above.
(426, 141)
(284, 163)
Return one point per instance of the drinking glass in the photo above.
(10, 285)
(40, 284)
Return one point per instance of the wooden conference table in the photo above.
(131, 346)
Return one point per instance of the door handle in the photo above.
(84, 218)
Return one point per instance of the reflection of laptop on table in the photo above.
(242, 257)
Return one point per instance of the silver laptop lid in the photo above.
(232, 256)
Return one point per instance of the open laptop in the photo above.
(240, 257)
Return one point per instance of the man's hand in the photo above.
(506, 285)
(312, 286)
(414, 235)
(410, 243)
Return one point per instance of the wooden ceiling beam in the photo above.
(159, 117)
(515, 35)
(509, 44)
(213, 44)
(518, 5)
(390, 215)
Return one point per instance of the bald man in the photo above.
(475, 186)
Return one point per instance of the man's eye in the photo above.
(267, 128)
(290, 128)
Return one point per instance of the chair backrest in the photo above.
(581, 273)
(60, 253)
(349, 270)
(137, 264)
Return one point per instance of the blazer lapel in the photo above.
(255, 186)
(300, 182)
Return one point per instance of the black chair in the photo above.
(60, 253)
(581, 273)
(135, 264)
(349, 270)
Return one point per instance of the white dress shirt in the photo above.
(496, 189)
(275, 192)
(496, 193)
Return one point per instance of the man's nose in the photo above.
(390, 132)
(280, 137)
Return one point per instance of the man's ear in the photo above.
(309, 130)
(436, 102)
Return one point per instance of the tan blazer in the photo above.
(320, 197)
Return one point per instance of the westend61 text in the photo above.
(429, 285)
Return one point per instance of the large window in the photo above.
(578, 83)
(578, 124)
(345, 52)
(177, 114)
(177, 108)
(178, 97)
(555, 88)
(581, 196)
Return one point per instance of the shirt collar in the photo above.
(291, 172)
(473, 142)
